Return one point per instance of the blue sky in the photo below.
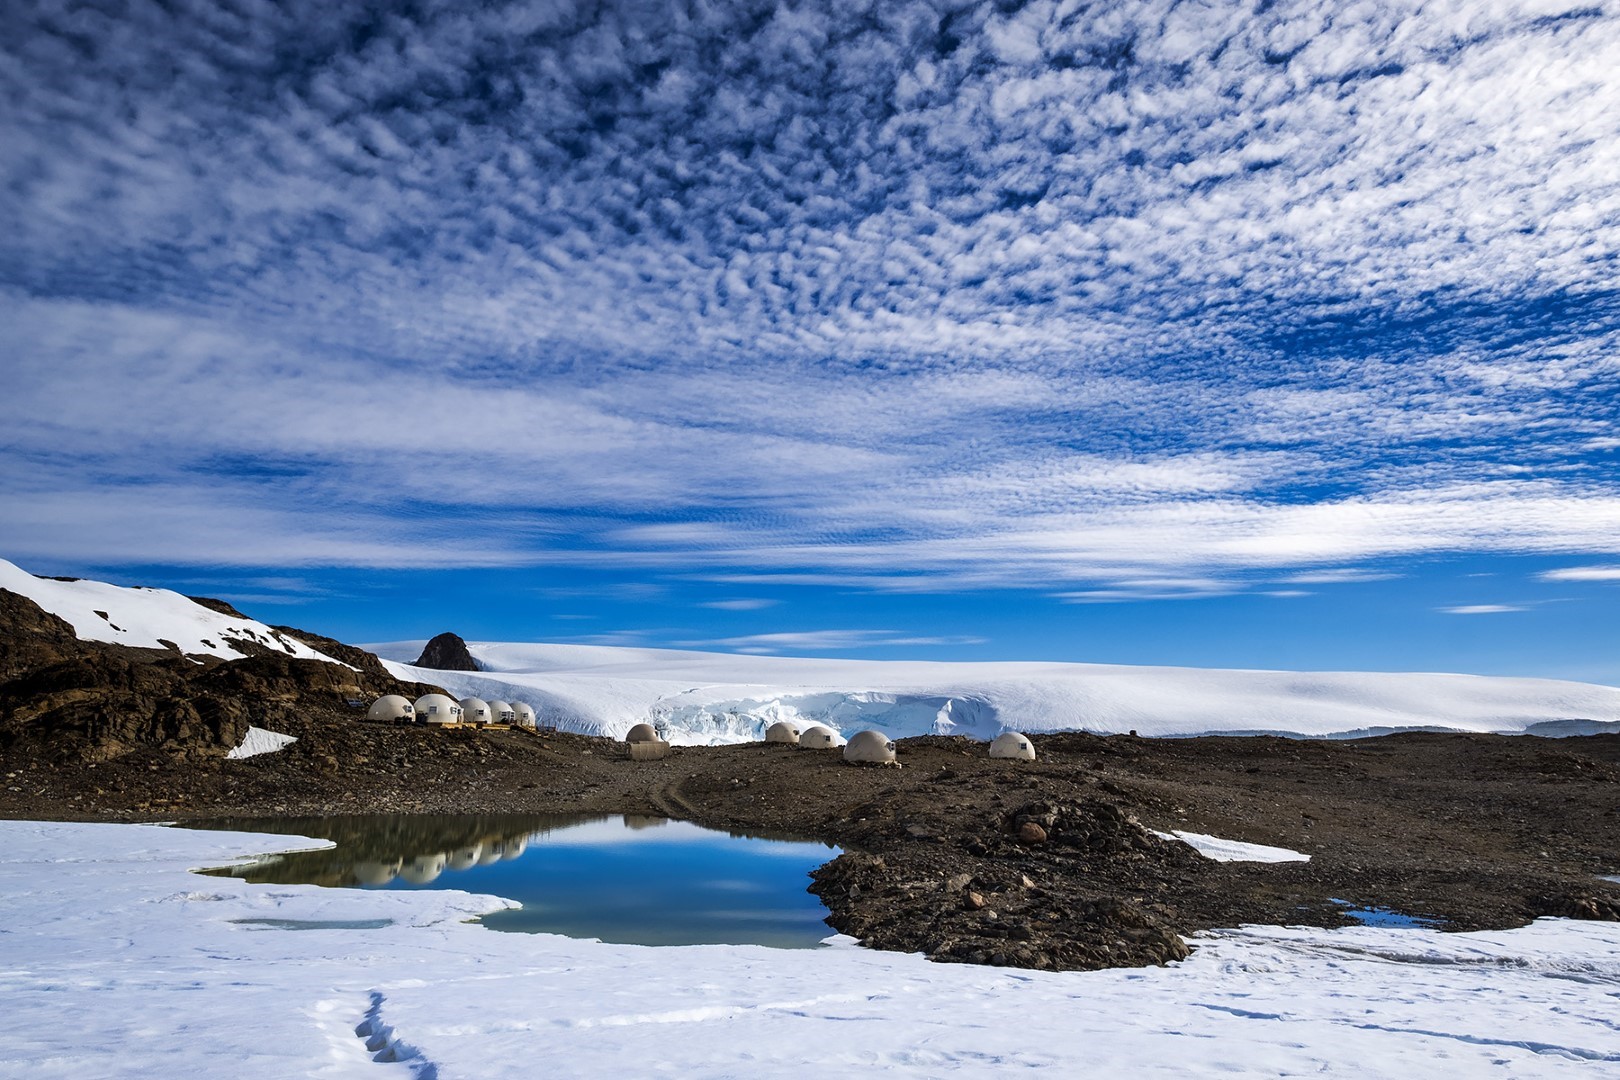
(1259, 335)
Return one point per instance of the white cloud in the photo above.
(831, 640)
(1337, 576)
(1482, 609)
(1582, 573)
(1107, 306)
(740, 604)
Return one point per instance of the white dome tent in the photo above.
(644, 743)
(500, 712)
(474, 710)
(524, 713)
(1010, 744)
(392, 709)
(818, 737)
(869, 748)
(438, 709)
(782, 732)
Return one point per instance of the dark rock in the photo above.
(1031, 833)
(447, 652)
(30, 636)
(1567, 906)
(337, 650)
(221, 606)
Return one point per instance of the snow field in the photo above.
(118, 963)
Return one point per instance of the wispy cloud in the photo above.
(1482, 609)
(1103, 304)
(1582, 573)
(1337, 576)
(831, 641)
(740, 604)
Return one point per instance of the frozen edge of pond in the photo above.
(107, 932)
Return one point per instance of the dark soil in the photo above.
(1045, 864)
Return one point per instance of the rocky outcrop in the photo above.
(447, 652)
(355, 657)
(62, 699)
(221, 606)
(968, 892)
(30, 636)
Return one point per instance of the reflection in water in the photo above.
(633, 879)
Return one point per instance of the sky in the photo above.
(1257, 335)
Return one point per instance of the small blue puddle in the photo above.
(633, 880)
(1386, 918)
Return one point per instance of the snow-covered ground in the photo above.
(147, 618)
(723, 697)
(119, 963)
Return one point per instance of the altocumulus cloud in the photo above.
(1120, 300)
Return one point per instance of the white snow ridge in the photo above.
(148, 618)
(707, 698)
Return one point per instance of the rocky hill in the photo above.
(67, 699)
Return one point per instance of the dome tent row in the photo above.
(877, 748)
(443, 709)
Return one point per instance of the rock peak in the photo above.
(447, 652)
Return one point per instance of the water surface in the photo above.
(636, 880)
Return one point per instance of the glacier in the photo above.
(707, 698)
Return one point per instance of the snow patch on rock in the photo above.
(261, 741)
(1219, 850)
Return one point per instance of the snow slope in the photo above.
(118, 963)
(146, 618)
(720, 697)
